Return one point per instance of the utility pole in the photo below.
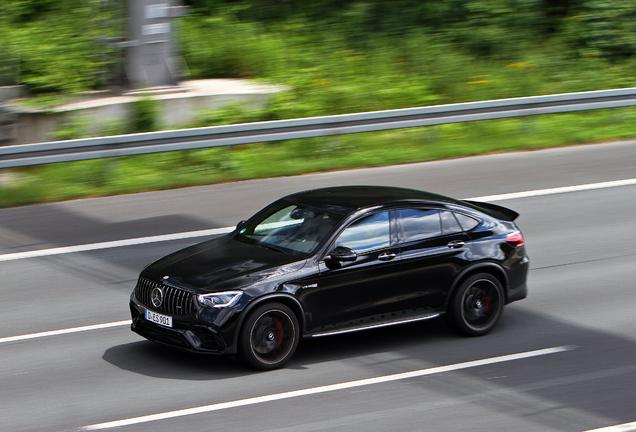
(151, 56)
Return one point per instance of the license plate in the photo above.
(163, 320)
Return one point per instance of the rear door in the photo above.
(433, 249)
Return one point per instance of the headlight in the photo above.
(220, 299)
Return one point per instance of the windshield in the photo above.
(290, 228)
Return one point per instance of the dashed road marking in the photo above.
(323, 389)
(626, 427)
(64, 331)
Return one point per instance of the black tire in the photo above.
(269, 337)
(477, 305)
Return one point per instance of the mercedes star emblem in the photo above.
(156, 297)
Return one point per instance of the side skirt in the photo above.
(374, 325)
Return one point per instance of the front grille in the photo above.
(175, 301)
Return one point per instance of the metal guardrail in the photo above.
(156, 142)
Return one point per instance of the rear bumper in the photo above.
(518, 293)
(517, 280)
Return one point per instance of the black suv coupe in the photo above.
(329, 261)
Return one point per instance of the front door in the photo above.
(352, 291)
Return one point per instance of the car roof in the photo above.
(346, 199)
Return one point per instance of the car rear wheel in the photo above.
(269, 337)
(477, 305)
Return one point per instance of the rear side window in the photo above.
(449, 223)
(419, 224)
(466, 222)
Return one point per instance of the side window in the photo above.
(466, 222)
(449, 223)
(368, 233)
(420, 224)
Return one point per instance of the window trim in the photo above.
(461, 228)
(479, 220)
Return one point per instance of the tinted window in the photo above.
(290, 228)
(466, 222)
(368, 233)
(419, 224)
(449, 223)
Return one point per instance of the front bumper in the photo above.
(185, 333)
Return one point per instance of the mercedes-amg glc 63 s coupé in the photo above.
(329, 261)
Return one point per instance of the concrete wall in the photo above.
(7, 117)
(177, 108)
(11, 92)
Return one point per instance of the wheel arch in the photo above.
(490, 268)
(286, 299)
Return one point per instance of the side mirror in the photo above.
(343, 254)
(238, 225)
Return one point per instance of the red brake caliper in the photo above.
(279, 331)
(485, 300)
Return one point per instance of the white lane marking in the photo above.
(225, 230)
(64, 331)
(323, 389)
(626, 427)
(559, 190)
(114, 244)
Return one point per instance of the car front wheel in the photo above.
(269, 336)
(477, 305)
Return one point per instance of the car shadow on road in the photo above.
(52, 226)
(595, 376)
(152, 359)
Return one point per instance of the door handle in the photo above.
(386, 256)
(456, 244)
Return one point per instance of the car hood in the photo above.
(220, 264)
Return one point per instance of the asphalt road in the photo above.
(581, 301)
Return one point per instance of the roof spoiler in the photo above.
(495, 210)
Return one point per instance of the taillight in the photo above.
(515, 239)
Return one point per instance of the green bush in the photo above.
(144, 115)
(607, 29)
(57, 44)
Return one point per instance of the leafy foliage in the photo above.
(55, 41)
(58, 52)
(608, 29)
(144, 115)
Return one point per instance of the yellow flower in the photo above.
(521, 65)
